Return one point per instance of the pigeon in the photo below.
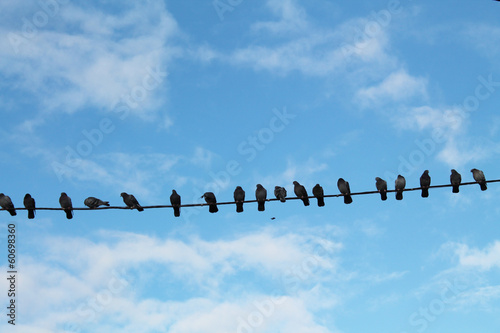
(211, 201)
(175, 201)
(239, 197)
(261, 195)
(455, 179)
(319, 194)
(400, 185)
(7, 204)
(29, 204)
(93, 202)
(381, 187)
(345, 190)
(300, 192)
(479, 177)
(66, 204)
(131, 201)
(280, 193)
(425, 182)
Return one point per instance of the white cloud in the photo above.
(112, 274)
(398, 86)
(485, 259)
(89, 58)
(292, 18)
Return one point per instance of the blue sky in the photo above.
(102, 97)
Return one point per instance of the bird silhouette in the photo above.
(319, 194)
(7, 204)
(280, 193)
(66, 205)
(131, 201)
(29, 204)
(211, 201)
(301, 192)
(455, 180)
(381, 187)
(345, 189)
(425, 182)
(239, 197)
(93, 202)
(479, 177)
(400, 186)
(175, 201)
(261, 196)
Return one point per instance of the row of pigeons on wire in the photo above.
(260, 195)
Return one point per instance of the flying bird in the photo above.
(7, 204)
(455, 180)
(131, 201)
(93, 202)
(400, 185)
(479, 177)
(381, 187)
(280, 193)
(301, 192)
(239, 197)
(175, 201)
(261, 195)
(319, 194)
(29, 204)
(211, 201)
(345, 190)
(425, 182)
(66, 205)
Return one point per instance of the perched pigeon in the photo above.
(280, 193)
(93, 202)
(455, 179)
(319, 194)
(175, 201)
(131, 201)
(400, 185)
(66, 204)
(479, 177)
(211, 201)
(7, 204)
(300, 192)
(29, 204)
(261, 196)
(239, 197)
(425, 182)
(381, 187)
(345, 190)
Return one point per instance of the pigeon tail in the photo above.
(12, 211)
(305, 200)
(321, 202)
(261, 206)
(69, 214)
(399, 195)
(383, 195)
(425, 192)
(31, 213)
(177, 211)
(455, 189)
(105, 203)
(139, 208)
(213, 208)
(347, 199)
(239, 207)
(483, 187)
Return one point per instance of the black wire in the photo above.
(250, 201)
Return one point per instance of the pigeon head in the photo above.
(123, 194)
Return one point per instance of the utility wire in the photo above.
(250, 201)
